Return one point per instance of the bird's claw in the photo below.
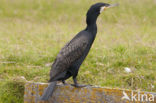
(64, 83)
(79, 86)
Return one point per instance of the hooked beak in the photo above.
(109, 6)
(112, 5)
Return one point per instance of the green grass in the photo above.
(33, 31)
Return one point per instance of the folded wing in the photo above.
(71, 52)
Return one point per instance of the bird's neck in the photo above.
(91, 19)
(92, 29)
(91, 24)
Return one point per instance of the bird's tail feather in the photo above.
(48, 91)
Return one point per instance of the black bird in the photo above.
(71, 56)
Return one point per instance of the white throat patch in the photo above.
(102, 8)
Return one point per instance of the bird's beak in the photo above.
(112, 5)
(109, 6)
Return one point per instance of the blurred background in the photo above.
(33, 31)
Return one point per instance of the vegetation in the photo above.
(33, 31)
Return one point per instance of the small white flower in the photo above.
(128, 70)
(22, 77)
(152, 86)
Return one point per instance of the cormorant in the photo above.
(71, 56)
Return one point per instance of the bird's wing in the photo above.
(71, 52)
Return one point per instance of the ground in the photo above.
(33, 31)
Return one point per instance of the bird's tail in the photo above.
(48, 91)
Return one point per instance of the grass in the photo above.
(32, 33)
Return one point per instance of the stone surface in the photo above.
(89, 94)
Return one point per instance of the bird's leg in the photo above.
(76, 84)
(64, 83)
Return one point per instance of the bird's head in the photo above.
(99, 7)
(96, 9)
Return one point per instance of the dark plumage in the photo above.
(71, 56)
